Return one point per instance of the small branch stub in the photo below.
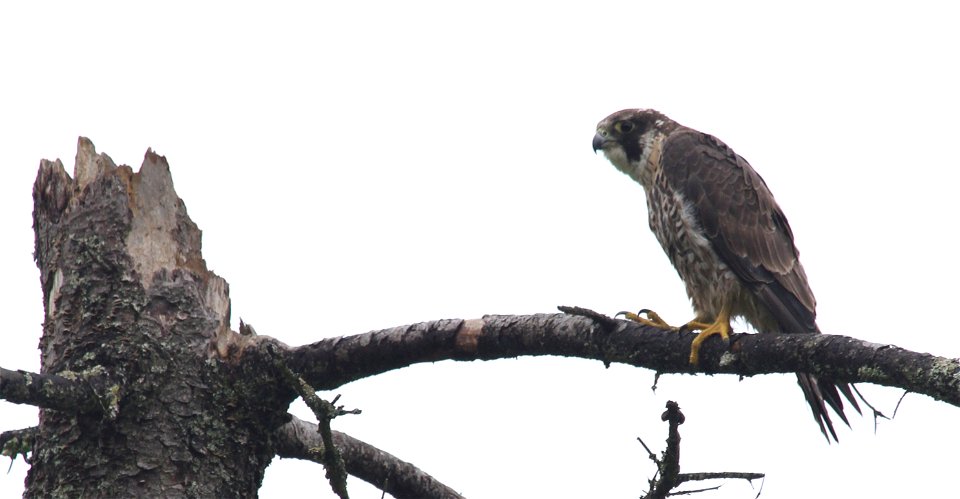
(17, 442)
(608, 323)
(63, 392)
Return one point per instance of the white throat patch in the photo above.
(645, 169)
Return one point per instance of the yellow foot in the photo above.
(721, 327)
(652, 319)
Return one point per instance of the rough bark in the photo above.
(330, 363)
(144, 390)
(48, 390)
(402, 480)
(129, 300)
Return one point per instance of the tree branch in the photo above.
(330, 363)
(670, 463)
(687, 477)
(17, 442)
(299, 439)
(668, 467)
(49, 391)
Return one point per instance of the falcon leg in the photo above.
(721, 326)
(652, 319)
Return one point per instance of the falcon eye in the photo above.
(623, 126)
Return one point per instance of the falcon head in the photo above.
(627, 138)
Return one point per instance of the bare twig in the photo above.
(897, 408)
(685, 477)
(650, 454)
(325, 412)
(694, 491)
(668, 466)
(876, 413)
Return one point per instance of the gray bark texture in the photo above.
(299, 439)
(144, 389)
(129, 302)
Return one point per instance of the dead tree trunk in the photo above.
(133, 312)
(144, 390)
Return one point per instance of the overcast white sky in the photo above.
(361, 165)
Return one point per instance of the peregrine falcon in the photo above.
(724, 233)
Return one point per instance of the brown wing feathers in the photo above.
(740, 217)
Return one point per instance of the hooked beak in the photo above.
(600, 140)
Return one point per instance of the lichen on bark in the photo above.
(127, 293)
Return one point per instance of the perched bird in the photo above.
(724, 233)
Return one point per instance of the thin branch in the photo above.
(325, 412)
(897, 408)
(49, 391)
(364, 461)
(668, 466)
(650, 454)
(656, 461)
(694, 491)
(877, 415)
(330, 363)
(686, 477)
